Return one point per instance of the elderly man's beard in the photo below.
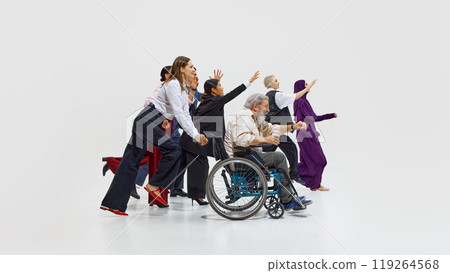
(260, 117)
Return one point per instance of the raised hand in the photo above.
(335, 115)
(308, 86)
(194, 83)
(217, 75)
(255, 76)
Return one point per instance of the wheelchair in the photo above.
(237, 188)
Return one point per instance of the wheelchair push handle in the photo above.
(211, 135)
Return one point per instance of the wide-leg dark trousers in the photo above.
(197, 174)
(146, 132)
(197, 168)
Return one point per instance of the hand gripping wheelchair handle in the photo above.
(211, 135)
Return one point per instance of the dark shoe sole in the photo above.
(159, 205)
(180, 193)
(136, 196)
(115, 211)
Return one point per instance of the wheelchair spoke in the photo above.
(236, 188)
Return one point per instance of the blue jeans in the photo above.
(141, 175)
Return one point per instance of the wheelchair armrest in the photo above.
(253, 146)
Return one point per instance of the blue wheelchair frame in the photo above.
(241, 183)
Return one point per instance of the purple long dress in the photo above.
(312, 160)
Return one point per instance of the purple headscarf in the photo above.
(303, 111)
(299, 86)
(302, 104)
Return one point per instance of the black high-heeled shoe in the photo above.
(105, 169)
(201, 203)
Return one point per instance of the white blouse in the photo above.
(172, 102)
(284, 100)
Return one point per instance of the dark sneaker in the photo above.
(292, 204)
(299, 180)
(178, 192)
(304, 203)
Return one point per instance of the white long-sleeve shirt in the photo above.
(155, 94)
(283, 100)
(172, 102)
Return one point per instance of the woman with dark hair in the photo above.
(170, 102)
(209, 116)
(312, 159)
(165, 74)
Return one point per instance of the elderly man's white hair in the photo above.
(268, 80)
(255, 98)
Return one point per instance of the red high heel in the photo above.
(115, 211)
(152, 201)
(156, 196)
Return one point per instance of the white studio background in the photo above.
(71, 74)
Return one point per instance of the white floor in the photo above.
(355, 217)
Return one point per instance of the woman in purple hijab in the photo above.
(312, 160)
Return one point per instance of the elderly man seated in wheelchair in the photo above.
(246, 134)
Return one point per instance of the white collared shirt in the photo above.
(284, 100)
(172, 102)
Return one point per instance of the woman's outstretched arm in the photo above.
(326, 116)
(238, 90)
(306, 90)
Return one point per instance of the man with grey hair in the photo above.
(280, 114)
(248, 127)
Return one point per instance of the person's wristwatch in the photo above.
(292, 128)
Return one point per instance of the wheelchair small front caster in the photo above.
(269, 200)
(275, 210)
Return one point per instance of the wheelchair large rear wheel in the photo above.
(236, 188)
